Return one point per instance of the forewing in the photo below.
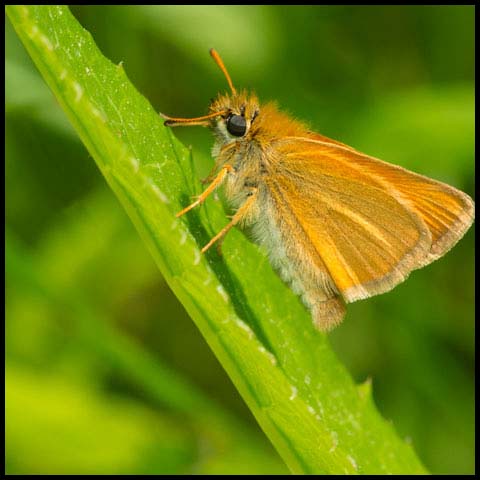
(370, 222)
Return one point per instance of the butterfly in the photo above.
(338, 225)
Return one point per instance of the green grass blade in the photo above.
(162, 385)
(303, 398)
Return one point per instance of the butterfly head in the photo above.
(233, 116)
(237, 116)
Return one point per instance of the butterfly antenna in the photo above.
(176, 121)
(219, 62)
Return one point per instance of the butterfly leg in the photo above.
(239, 215)
(224, 152)
(216, 182)
(211, 176)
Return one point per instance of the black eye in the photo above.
(236, 125)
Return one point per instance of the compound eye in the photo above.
(236, 125)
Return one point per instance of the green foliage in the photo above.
(303, 398)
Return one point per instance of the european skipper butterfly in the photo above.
(338, 225)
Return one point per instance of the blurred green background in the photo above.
(105, 372)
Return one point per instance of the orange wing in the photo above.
(370, 222)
